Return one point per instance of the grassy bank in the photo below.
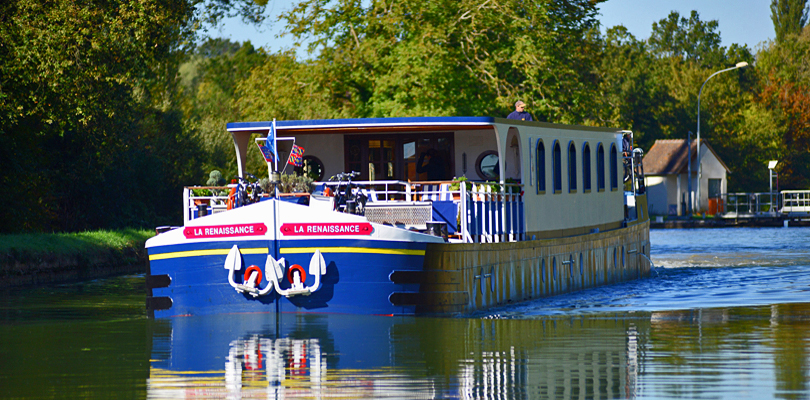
(27, 259)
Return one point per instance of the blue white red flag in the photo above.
(296, 156)
(268, 151)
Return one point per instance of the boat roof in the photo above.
(393, 124)
(409, 123)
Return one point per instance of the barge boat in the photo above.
(431, 215)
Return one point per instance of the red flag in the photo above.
(296, 156)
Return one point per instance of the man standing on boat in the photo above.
(519, 113)
(435, 165)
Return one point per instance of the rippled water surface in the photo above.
(724, 315)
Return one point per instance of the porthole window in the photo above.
(581, 267)
(554, 269)
(615, 260)
(623, 265)
(543, 269)
(312, 167)
(487, 165)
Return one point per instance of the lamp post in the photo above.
(741, 64)
(771, 166)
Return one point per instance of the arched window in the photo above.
(586, 168)
(557, 159)
(540, 167)
(572, 168)
(614, 166)
(600, 167)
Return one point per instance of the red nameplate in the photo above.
(327, 229)
(197, 232)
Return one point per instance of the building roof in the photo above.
(668, 157)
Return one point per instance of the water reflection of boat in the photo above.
(544, 212)
(325, 356)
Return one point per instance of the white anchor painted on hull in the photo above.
(274, 270)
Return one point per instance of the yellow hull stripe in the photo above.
(288, 250)
(211, 252)
(363, 250)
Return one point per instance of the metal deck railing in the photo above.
(474, 212)
(738, 205)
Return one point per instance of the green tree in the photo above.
(785, 92)
(690, 39)
(651, 87)
(451, 57)
(91, 131)
(211, 76)
(789, 17)
(632, 88)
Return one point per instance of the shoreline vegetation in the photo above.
(107, 112)
(37, 258)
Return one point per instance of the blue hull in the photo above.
(356, 280)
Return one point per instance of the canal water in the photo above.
(725, 315)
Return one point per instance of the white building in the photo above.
(666, 171)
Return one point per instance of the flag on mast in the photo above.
(268, 146)
(296, 156)
(268, 151)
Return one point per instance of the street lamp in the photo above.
(771, 166)
(741, 64)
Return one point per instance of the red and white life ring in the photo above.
(251, 269)
(301, 273)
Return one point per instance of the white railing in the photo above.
(795, 201)
(478, 212)
(492, 213)
(374, 190)
(748, 204)
(197, 205)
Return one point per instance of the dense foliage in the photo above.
(107, 108)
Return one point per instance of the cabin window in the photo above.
(614, 166)
(586, 168)
(487, 165)
(557, 161)
(540, 167)
(572, 168)
(381, 159)
(394, 156)
(600, 167)
(311, 167)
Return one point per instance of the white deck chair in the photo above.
(439, 192)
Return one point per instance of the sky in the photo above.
(740, 21)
